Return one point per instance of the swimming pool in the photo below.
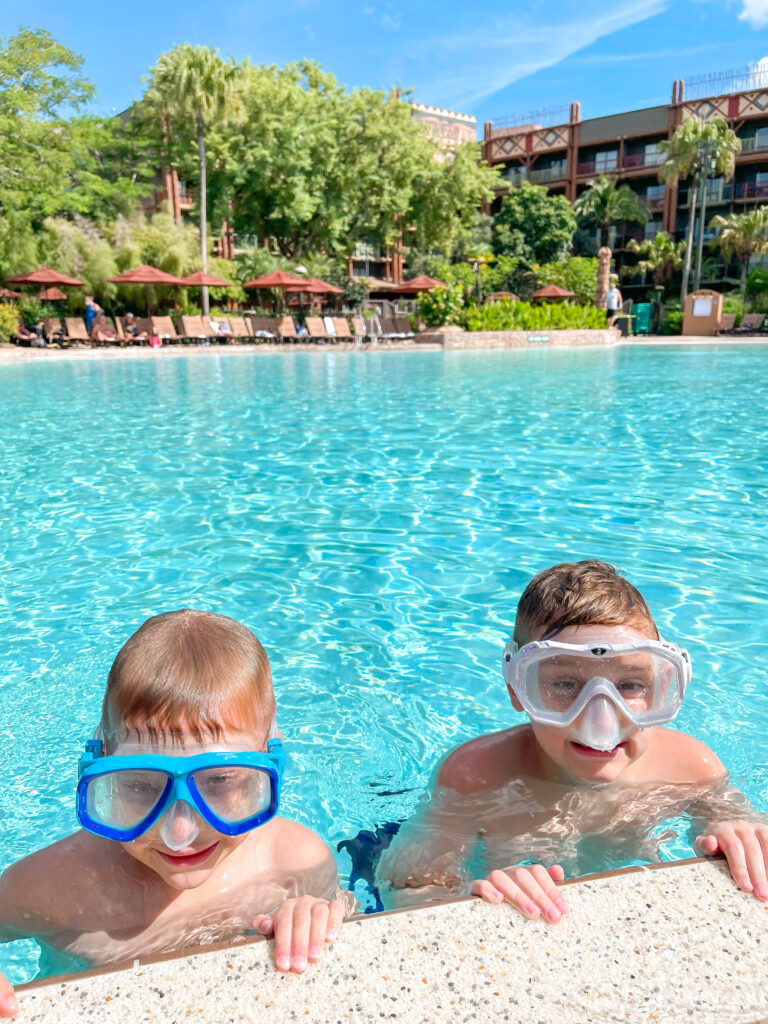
(373, 518)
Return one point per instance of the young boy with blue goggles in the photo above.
(593, 771)
(178, 796)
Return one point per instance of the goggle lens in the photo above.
(123, 799)
(233, 793)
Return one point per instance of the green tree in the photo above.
(534, 225)
(194, 87)
(604, 203)
(578, 274)
(742, 236)
(660, 256)
(695, 150)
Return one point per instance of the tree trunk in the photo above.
(603, 235)
(743, 279)
(689, 243)
(702, 219)
(203, 209)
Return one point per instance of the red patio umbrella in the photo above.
(277, 279)
(314, 286)
(52, 295)
(146, 275)
(422, 283)
(6, 293)
(553, 292)
(44, 275)
(200, 278)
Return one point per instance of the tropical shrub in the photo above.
(9, 321)
(506, 315)
(441, 306)
(672, 322)
(578, 274)
(732, 304)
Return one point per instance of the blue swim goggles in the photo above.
(120, 797)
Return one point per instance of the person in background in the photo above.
(132, 330)
(101, 330)
(613, 302)
(92, 311)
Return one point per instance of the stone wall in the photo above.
(455, 338)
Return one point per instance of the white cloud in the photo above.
(623, 58)
(755, 12)
(465, 68)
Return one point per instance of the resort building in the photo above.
(557, 149)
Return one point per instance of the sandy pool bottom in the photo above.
(674, 943)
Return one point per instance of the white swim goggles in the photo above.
(602, 692)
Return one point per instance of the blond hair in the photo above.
(188, 671)
(588, 593)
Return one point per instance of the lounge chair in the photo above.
(360, 329)
(75, 329)
(330, 327)
(241, 331)
(316, 328)
(727, 323)
(341, 326)
(286, 329)
(263, 328)
(196, 329)
(163, 327)
(403, 327)
(389, 330)
(54, 333)
(750, 323)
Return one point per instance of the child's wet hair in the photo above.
(588, 593)
(188, 671)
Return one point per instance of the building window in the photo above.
(607, 160)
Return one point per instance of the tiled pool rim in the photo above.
(704, 936)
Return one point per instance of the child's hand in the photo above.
(301, 928)
(745, 847)
(9, 1007)
(531, 889)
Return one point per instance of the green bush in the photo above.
(9, 321)
(507, 315)
(732, 304)
(672, 322)
(578, 274)
(442, 306)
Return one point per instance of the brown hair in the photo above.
(188, 670)
(588, 593)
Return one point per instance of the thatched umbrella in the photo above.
(46, 276)
(553, 293)
(279, 279)
(147, 275)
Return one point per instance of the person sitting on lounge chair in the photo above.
(131, 328)
(101, 330)
(24, 334)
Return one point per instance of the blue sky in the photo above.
(482, 57)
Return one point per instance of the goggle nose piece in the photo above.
(179, 826)
(598, 726)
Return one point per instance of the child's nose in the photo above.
(179, 826)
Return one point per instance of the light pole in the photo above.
(702, 216)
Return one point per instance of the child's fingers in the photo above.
(264, 924)
(283, 926)
(9, 1006)
(537, 883)
(556, 873)
(318, 927)
(512, 893)
(731, 846)
(335, 920)
(485, 890)
(707, 845)
(302, 921)
(753, 853)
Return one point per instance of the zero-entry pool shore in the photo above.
(671, 943)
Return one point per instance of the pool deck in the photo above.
(672, 943)
(10, 354)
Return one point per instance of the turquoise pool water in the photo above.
(373, 518)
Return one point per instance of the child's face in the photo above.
(189, 863)
(562, 753)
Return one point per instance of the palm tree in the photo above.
(661, 256)
(604, 203)
(196, 87)
(696, 148)
(742, 235)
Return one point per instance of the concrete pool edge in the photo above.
(624, 904)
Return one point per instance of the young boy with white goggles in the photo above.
(592, 775)
(178, 796)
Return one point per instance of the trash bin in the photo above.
(623, 323)
(642, 312)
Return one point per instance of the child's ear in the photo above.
(515, 702)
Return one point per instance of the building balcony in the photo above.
(597, 166)
(632, 160)
(715, 196)
(751, 190)
(544, 174)
(654, 202)
(754, 144)
(187, 196)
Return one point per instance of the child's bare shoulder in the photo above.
(684, 758)
(486, 762)
(296, 847)
(39, 891)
